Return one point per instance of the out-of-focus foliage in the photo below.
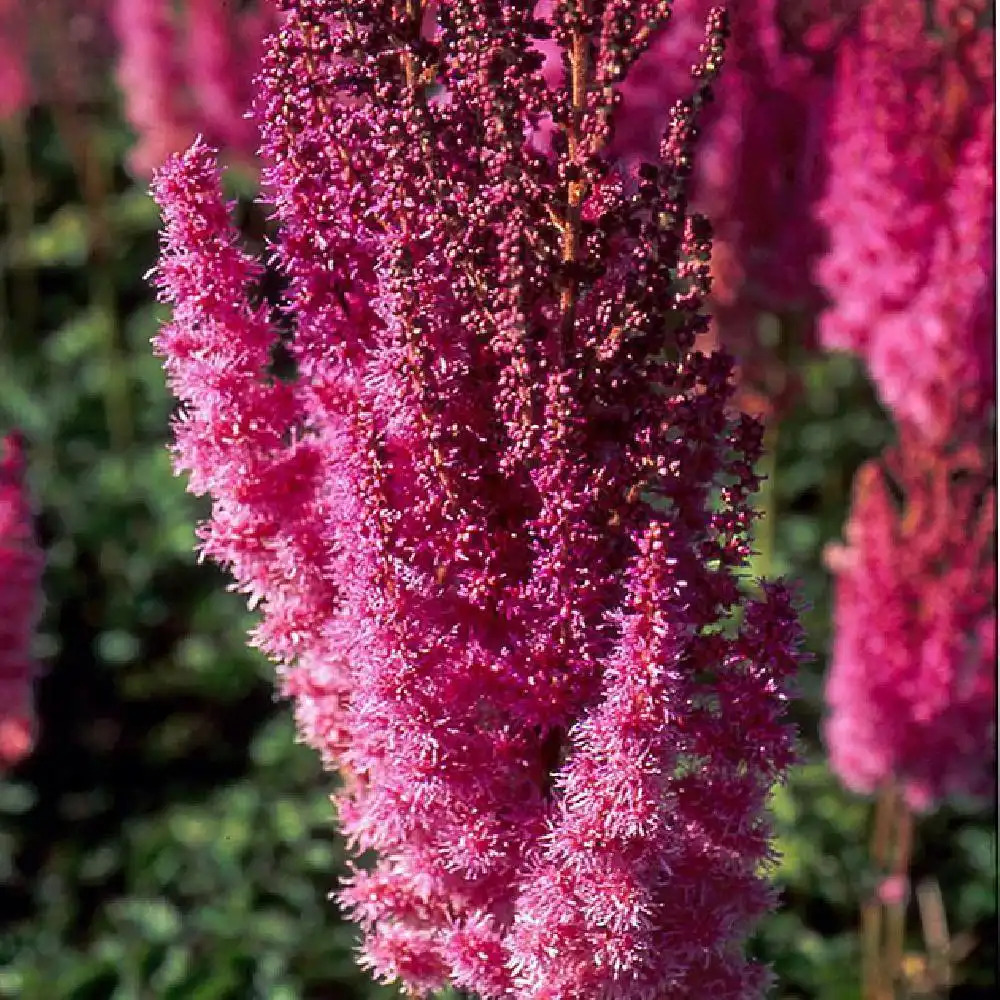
(168, 838)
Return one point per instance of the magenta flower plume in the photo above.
(912, 684)
(910, 210)
(20, 576)
(493, 505)
(652, 867)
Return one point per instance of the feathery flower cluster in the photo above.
(910, 210)
(493, 504)
(179, 79)
(912, 689)
(20, 574)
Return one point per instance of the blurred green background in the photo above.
(169, 838)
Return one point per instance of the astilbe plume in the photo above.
(20, 573)
(910, 210)
(912, 684)
(911, 272)
(492, 503)
(185, 69)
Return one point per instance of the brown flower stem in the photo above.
(768, 503)
(896, 907)
(883, 921)
(579, 57)
(871, 909)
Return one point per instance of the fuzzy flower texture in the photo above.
(20, 571)
(913, 686)
(493, 504)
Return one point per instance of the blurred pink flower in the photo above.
(188, 68)
(15, 85)
(761, 170)
(910, 210)
(20, 573)
(151, 81)
(222, 54)
(893, 890)
(912, 683)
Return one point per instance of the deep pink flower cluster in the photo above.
(20, 573)
(910, 210)
(182, 76)
(494, 506)
(913, 686)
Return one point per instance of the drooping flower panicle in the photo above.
(495, 516)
